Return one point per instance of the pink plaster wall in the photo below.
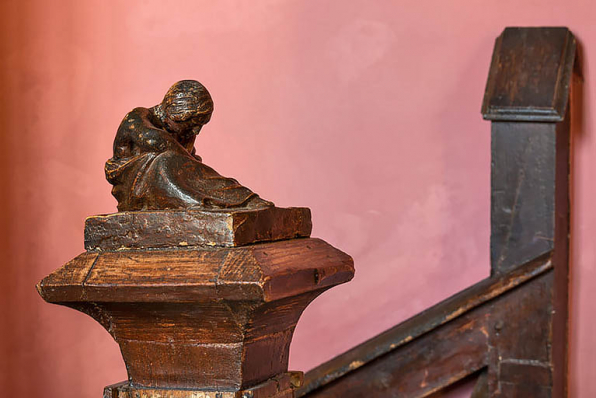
(365, 111)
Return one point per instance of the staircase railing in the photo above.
(512, 328)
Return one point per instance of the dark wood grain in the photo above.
(481, 387)
(520, 343)
(522, 192)
(266, 272)
(530, 75)
(376, 349)
(281, 386)
(420, 367)
(190, 228)
(561, 257)
(219, 318)
(507, 330)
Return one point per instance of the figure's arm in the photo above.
(194, 153)
(137, 135)
(149, 139)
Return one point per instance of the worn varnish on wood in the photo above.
(281, 386)
(512, 328)
(526, 99)
(188, 228)
(205, 318)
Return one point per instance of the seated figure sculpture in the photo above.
(155, 165)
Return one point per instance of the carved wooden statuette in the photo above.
(155, 165)
(199, 280)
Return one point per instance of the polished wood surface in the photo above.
(530, 75)
(263, 272)
(281, 386)
(463, 353)
(201, 318)
(189, 228)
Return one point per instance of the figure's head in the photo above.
(186, 107)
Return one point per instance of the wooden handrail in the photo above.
(482, 294)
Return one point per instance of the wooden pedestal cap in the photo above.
(263, 272)
(204, 317)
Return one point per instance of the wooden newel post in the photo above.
(202, 290)
(527, 100)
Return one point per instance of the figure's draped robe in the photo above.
(153, 175)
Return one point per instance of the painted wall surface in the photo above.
(365, 111)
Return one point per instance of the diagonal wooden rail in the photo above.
(513, 326)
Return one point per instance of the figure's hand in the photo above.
(257, 201)
(194, 154)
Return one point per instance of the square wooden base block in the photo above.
(278, 387)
